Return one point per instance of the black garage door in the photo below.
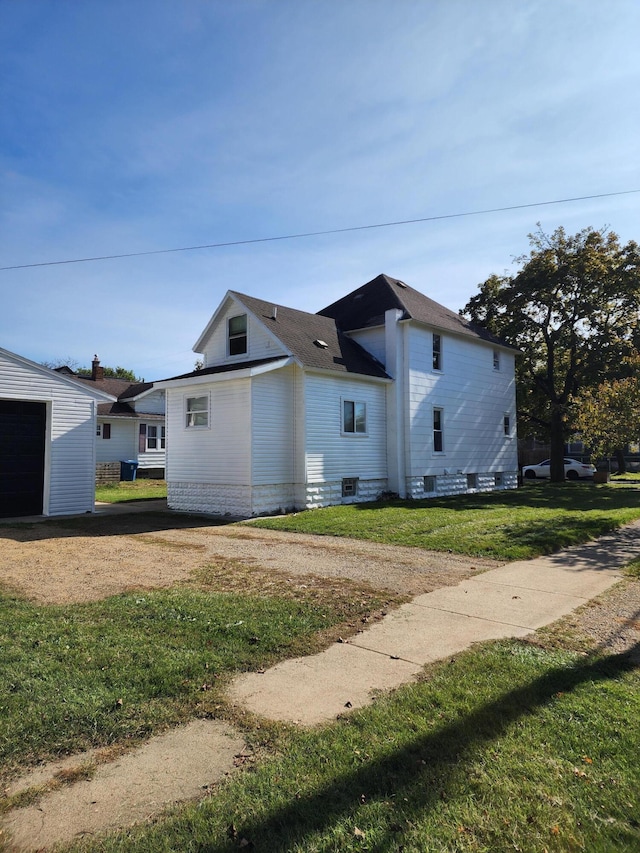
(22, 440)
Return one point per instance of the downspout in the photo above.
(394, 365)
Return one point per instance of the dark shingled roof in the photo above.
(300, 332)
(124, 410)
(366, 307)
(225, 368)
(123, 390)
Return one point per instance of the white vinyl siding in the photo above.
(151, 403)
(220, 454)
(123, 443)
(330, 453)
(273, 427)
(474, 398)
(69, 483)
(373, 340)
(260, 344)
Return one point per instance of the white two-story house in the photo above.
(383, 391)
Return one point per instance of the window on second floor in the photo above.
(496, 360)
(437, 352)
(506, 423)
(237, 329)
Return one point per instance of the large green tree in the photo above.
(608, 417)
(572, 309)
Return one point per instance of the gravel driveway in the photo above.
(90, 558)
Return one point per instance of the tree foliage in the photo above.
(573, 311)
(608, 417)
(109, 372)
(112, 373)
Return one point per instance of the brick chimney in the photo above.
(97, 372)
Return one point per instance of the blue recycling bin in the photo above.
(128, 469)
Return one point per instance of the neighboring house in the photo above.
(383, 391)
(47, 440)
(132, 426)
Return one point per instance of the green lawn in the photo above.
(511, 746)
(108, 672)
(508, 525)
(136, 490)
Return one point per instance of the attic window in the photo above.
(237, 327)
(321, 344)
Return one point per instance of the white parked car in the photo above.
(573, 470)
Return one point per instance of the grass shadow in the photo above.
(116, 524)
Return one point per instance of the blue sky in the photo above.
(154, 124)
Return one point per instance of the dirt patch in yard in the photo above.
(87, 559)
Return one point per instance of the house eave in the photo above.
(346, 374)
(226, 375)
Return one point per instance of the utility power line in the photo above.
(316, 233)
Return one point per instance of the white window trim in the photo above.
(439, 369)
(196, 427)
(354, 434)
(505, 417)
(160, 438)
(433, 430)
(496, 359)
(238, 355)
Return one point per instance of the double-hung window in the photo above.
(237, 329)
(437, 352)
(438, 430)
(197, 411)
(354, 417)
(156, 437)
(506, 424)
(496, 359)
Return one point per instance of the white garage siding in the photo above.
(474, 399)
(332, 455)
(69, 482)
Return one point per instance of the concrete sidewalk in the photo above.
(511, 601)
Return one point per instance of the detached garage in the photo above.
(47, 440)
